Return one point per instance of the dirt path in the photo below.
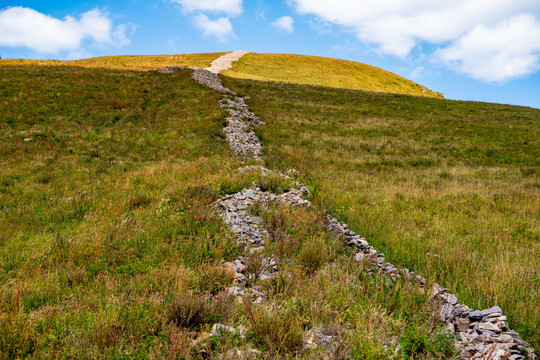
(225, 62)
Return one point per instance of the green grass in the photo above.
(314, 70)
(450, 189)
(104, 207)
(110, 246)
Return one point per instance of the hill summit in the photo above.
(286, 68)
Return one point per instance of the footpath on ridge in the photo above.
(478, 334)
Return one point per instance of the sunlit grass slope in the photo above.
(107, 184)
(127, 62)
(111, 248)
(296, 69)
(451, 189)
(314, 70)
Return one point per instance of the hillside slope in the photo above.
(328, 72)
(111, 246)
(448, 188)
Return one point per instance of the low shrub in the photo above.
(275, 329)
(194, 311)
(314, 254)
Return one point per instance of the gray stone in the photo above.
(170, 69)
(484, 331)
(451, 299)
(359, 257)
(478, 315)
(506, 338)
(218, 329)
(462, 324)
(209, 79)
(489, 326)
(517, 339)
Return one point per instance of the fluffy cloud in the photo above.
(396, 27)
(26, 27)
(221, 28)
(284, 23)
(508, 50)
(230, 7)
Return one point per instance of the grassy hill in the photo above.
(110, 246)
(293, 69)
(448, 188)
(314, 70)
(105, 195)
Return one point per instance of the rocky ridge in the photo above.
(479, 334)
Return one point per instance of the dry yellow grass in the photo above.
(296, 69)
(127, 62)
(314, 70)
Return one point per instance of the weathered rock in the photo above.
(462, 324)
(359, 257)
(478, 315)
(218, 329)
(238, 131)
(506, 338)
(210, 79)
(517, 339)
(489, 326)
(170, 69)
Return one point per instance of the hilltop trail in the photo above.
(478, 334)
(225, 62)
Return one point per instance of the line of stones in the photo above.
(479, 334)
(248, 230)
(239, 131)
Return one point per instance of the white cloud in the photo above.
(396, 27)
(221, 28)
(284, 23)
(511, 49)
(123, 33)
(25, 27)
(229, 7)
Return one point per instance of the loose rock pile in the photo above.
(209, 79)
(170, 69)
(479, 334)
(247, 230)
(238, 131)
(368, 255)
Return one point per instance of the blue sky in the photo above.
(466, 49)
